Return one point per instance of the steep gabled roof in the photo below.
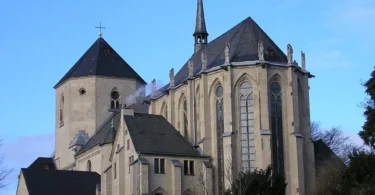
(323, 153)
(153, 134)
(105, 134)
(101, 60)
(243, 39)
(59, 182)
(41, 163)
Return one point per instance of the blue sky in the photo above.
(40, 41)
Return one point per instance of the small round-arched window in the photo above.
(115, 99)
(89, 166)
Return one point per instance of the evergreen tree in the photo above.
(368, 132)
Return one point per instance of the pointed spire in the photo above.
(200, 33)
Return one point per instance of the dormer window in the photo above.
(115, 99)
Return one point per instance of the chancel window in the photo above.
(166, 112)
(247, 126)
(159, 166)
(62, 111)
(197, 119)
(185, 118)
(219, 133)
(188, 167)
(115, 99)
(276, 127)
(89, 166)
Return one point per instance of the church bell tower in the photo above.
(200, 34)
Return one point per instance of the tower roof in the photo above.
(200, 25)
(101, 60)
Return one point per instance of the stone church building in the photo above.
(238, 103)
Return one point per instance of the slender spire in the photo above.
(200, 33)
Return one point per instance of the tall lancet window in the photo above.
(276, 127)
(185, 118)
(197, 117)
(166, 112)
(88, 168)
(61, 110)
(219, 133)
(247, 126)
(115, 99)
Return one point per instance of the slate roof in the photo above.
(140, 107)
(80, 139)
(200, 25)
(153, 134)
(322, 153)
(243, 39)
(105, 133)
(40, 162)
(59, 182)
(101, 60)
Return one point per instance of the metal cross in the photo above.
(100, 29)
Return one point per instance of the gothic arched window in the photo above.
(166, 112)
(219, 132)
(247, 126)
(88, 166)
(185, 118)
(62, 110)
(197, 117)
(277, 143)
(115, 99)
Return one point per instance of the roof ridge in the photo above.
(243, 29)
(75, 66)
(231, 38)
(97, 60)
(122, 59)
(269, 38)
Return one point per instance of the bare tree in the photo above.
(335, 139)
(4, 171)
(202, 186)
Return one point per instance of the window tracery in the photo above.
(219, 132)
(115, 99)
(246, 109)
(185, 118)
(277, 143)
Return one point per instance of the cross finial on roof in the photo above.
(100, 29)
